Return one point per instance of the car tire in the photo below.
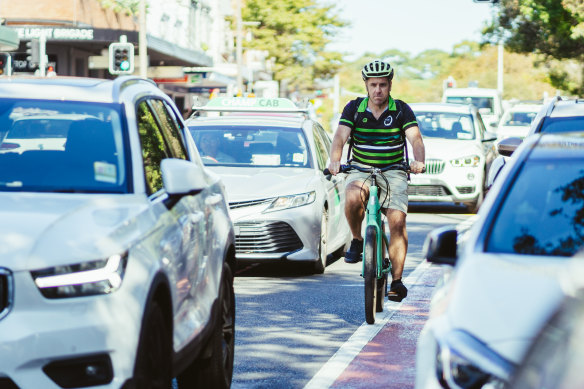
(320, 263)
(154, 357)
(216, 370)
(476, 204)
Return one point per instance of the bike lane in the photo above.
(383, 355)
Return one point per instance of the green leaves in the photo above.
(553, 28)
(295, 33)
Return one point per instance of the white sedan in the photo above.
(458, 152)
(271, 155)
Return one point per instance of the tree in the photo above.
(295, 33)
(552, 28)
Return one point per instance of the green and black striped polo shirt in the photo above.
(378, 142)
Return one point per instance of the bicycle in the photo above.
(376, 266)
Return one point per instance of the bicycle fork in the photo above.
(373, 219)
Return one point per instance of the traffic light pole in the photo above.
(142, 41)
(42, 55)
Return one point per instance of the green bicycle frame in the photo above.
(373, 218)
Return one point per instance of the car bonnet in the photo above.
(504, 299)
(448, 149)
(254, 183)
(43, 230)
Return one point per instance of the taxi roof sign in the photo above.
(251, 104)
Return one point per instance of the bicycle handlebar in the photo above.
(346, 168)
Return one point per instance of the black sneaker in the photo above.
(397, 291)
(353, 255)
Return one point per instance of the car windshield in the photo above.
(542, 217)
(518, 119)
(485, 103)
(58, 146)
(563, 124)
(447, 125)
(251, 146)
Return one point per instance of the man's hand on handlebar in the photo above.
(417, 167)
(334, 167)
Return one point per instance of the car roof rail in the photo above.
(125, 81)
(552, 105)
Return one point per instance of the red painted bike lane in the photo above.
(388, 359)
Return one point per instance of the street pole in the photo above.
(42, 55)
(142, 41)
(500, 51)
(238, 52)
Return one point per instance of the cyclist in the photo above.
(378, 126)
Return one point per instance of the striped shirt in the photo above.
(378, 142)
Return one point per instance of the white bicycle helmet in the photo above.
(377, 68)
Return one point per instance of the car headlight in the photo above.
(470, 161)
(81, 279)
(292, 201)
(463, 362)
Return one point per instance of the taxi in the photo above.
(270, 155)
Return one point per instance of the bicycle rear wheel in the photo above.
(370, 273)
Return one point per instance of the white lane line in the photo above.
(330, 371)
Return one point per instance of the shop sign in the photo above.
(55, 34)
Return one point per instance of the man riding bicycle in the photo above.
(378, 126)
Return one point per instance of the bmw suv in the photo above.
(117, 250)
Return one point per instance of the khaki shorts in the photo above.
(398, 187)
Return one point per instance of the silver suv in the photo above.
(117, 251)
(559, 115)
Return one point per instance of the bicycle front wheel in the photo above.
(370, 273)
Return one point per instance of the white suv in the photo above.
(117, 251)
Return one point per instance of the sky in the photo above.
(408, 25)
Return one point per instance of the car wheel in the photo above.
(476, 204)
(320, 263)
(153, 362)
(216, 371)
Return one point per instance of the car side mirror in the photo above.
(507, 146)
(182, 177)
(440, 246)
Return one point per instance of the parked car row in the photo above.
(118, 251)
(503, 316)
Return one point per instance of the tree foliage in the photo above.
(553, 28)
(295, 33)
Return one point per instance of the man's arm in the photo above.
(341, 135)
(415, 138)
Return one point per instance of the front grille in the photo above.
(265, 238)
(428, 190)
(435, 166)
(465, 189)
(249, 203)
(5, 292)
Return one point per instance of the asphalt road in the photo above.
(289, 322)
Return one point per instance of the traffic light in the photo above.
(5, 64)
(121, 58)
(33, 52)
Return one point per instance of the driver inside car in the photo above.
(209, 148)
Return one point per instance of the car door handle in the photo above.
(191, 218)
(213, 199)
(196, 217)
